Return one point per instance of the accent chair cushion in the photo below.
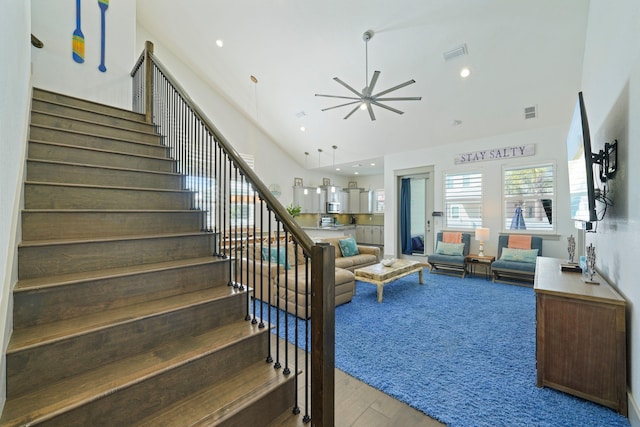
(446, 259)
(348, 247)
(519, 255)
(444, 248)
(513, 266)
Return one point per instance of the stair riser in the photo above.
(29, 369)
(38, 171)
(52, 304)
(69, 154)
(80, 225)
(92, 128)
(136, 402)
(63, 136)
(38, 196)
(88, 115)
(88, 105)
(266, 409)
(49, 260)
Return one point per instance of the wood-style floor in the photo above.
(359, 405)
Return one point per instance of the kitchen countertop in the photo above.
(332, 227)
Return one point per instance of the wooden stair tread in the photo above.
(39, 92)
(94, 135)
(64, 184)
(26, 285)
(39, 243)
(60, 116)
(139, 120)
(34, 336)
(228, 397)
(73, 392)
(114, 168)
(98, 150)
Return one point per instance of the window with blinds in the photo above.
(463, 200)
(529, 198)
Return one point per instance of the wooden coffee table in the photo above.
(380, 275)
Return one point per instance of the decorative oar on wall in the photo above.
(104, 5)
(77, 44)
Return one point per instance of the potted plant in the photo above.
(294, 211)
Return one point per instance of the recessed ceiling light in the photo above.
(356, 173)
(465, 72)
(372, 164)
(337, 169)
(302, 128)
(219, 43)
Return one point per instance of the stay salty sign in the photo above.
(495, 154)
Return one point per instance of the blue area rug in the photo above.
(460, 350)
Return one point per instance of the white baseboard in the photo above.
(634, 411)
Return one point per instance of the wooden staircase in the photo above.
(122, 316)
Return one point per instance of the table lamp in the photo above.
(482, 234)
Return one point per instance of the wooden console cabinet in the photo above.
(580, 336)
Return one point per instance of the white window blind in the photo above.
(463, 200)
(529, 198)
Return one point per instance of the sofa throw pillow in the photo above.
(273, 255)
(519, 255)
(348, 247)
(444, 248)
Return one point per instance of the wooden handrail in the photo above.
(265, 194)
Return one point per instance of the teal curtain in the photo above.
(405, 216)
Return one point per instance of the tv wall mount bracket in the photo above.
(607, 159)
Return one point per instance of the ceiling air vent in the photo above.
(530, 112)
(455, 52)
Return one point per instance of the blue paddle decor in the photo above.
(77, 40)
(104, 5)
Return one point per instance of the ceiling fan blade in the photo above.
(341, 105)
(405, 98)
(373, 116)
(347, 86)
(387, 107)
(374, 80)
(351, 112)
(337, 96)
(401, 85)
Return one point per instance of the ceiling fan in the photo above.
(366, 98)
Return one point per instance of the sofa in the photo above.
(447, 260)
(270, 279)
(516, 262)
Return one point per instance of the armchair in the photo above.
(445, 261)
(513, 267)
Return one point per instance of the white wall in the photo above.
(272, 164)
(546, 143)
(14, 112)
(53, 22)
(611, 86)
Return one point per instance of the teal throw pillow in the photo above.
(348, 247)
(519, 255)
(444, 248)
(281, 258)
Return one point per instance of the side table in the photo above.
(471, 260)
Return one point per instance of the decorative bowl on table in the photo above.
(388, 262)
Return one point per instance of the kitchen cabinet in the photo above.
(370, 234)
(354, 200)
(308, 199)
(366, 202)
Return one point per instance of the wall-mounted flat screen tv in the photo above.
(580, 164)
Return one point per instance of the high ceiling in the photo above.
(521, 53)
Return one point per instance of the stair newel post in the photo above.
(323, 327)
(148, 82)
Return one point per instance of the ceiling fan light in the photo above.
(363, 106)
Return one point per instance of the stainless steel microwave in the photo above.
(333, 207)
